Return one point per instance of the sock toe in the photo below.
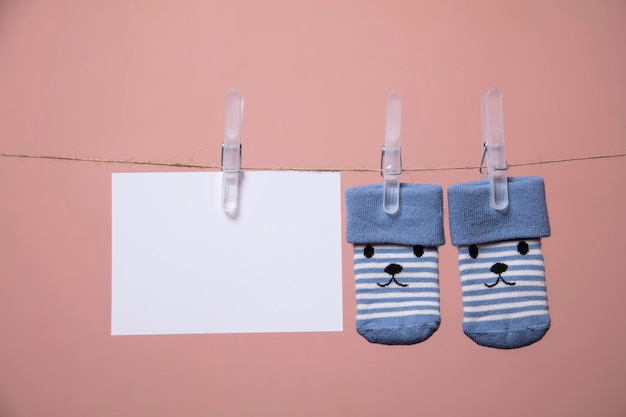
(405, 335)
(509, 339)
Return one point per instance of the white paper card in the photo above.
(181, 265)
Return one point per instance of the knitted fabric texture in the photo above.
(396, 262)
(418, 221)
(473, 220)
(501, 263)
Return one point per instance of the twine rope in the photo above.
(253, 168)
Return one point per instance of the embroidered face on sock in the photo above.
(505, 303)
(502, 259)
(392, 265)
(397, 292)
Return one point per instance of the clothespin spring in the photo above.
(482, 161)
(382, 157)
(231, 170)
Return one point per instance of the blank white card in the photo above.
(181, 265)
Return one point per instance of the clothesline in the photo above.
(261, 168)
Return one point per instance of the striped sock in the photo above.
(505, 304)
(504, 293)
(397, 293)
(396, 262)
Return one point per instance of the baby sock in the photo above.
(502, 271)
(396, 262)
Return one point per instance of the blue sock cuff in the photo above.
(418, 221)
(472, 220)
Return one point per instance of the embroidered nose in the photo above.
(393, 269)
(498, 268)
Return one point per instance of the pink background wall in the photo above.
(146, 80)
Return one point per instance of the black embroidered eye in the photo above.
(473, 251)
(418, 250)
(368, 251)
(522, 248)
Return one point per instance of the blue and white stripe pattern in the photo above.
(504, 293)
(397, 292)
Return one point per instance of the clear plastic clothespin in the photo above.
(391, 161)
(231, 151)
(493, 147)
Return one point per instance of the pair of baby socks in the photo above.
(396, 262)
